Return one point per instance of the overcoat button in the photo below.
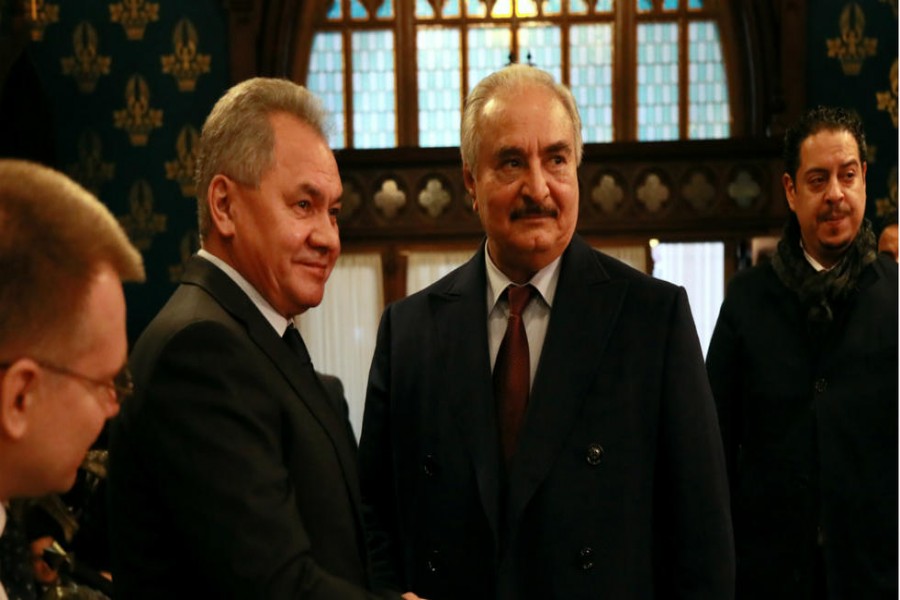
(594, 454)
(432, 562)
(430, 466)
(821, 386)
(586, 558)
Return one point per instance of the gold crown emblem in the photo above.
(87, 65)
(141, 223)
(887, 101)
(134, 15)
(190, 243)
(186, 64)
(182, 168)
(852, 48)
(39, 14)
(137, 118)
(90, 170)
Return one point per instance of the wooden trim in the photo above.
(727, 165)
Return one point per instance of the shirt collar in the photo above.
(275, 319)
(544, 281)
(819, 267)
(2, 518)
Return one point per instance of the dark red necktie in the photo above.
(512, 370)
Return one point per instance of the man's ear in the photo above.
(790, 191)
(220, 198)
(469, 181)
(17, 389)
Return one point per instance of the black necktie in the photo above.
(512, 370)
(292, 338)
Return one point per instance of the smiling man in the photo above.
(538, 423)
(803, 365)
(233, 472)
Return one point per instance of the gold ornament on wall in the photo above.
(137, 118)
(186, 64)
(852, 48)
(887, 101)
(134, 15)
(90, 170)
(182, 168)
(190, 243)
(888, 205)
(39, 14)
(141, 223)
(87, 65)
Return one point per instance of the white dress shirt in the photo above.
(813, 262)
(536, 315)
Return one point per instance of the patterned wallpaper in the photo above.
(852, 61)
(130, 83)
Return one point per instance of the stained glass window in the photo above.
(709, 114)
(541, 44)
(590, 57)
(657, 81)
(488, 51)
(374, 113)
(408, 89)
(326, 80)
(439, 78)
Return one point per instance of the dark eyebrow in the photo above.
(854, 162)
(308, 189)
(558, 148)
(509, 152)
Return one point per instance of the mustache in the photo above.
(833, 214)
(534, 210)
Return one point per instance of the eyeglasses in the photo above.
(121, 383)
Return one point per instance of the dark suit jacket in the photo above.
(810, 435)
(618, 489)
(232, 473)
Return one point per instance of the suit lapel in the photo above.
(585, 309)
(459, 314)
(303, 380)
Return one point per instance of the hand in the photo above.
(411, 596)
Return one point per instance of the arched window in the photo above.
(395, 72)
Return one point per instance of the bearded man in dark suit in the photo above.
(587, 463)
(233, 473)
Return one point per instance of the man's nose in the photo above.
(325, 235)
(535, 184)
(834, 192)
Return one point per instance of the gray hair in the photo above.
(237, 138)
(505, 79)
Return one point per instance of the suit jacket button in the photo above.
(821, 385)
(594, 454)
(432, 562)
(430, 466)
(586, 558)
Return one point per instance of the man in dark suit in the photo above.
(606, 479)
(233, 474)
(803, 365)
